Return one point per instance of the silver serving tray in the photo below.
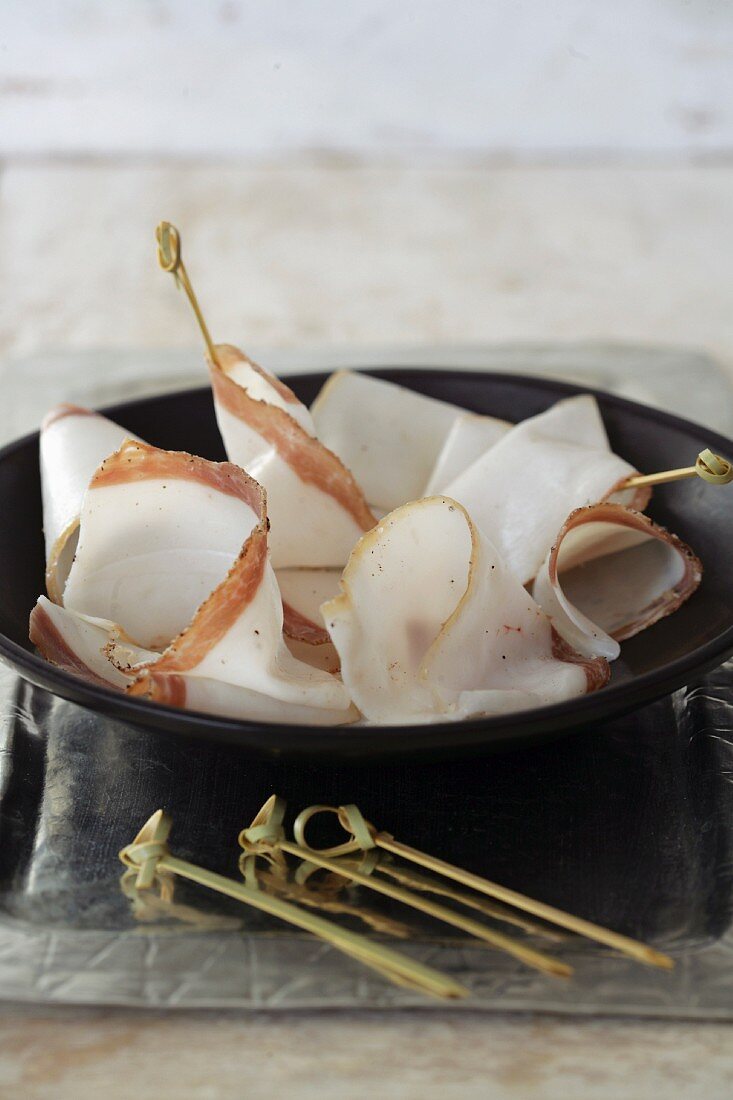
(630, 824)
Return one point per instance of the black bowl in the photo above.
(667, 656)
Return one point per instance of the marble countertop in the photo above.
(322, 254)
(48, 1054)
(331, 254)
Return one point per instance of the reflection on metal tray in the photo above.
(629, 824)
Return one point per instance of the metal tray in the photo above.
(629, 824)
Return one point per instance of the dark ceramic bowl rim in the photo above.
(597, 706)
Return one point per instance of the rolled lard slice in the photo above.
(97, 651)
(611, 573)
(431, 625)
(232, 659)
(317, 510)
(173, 553)
(73, 442)
(521, 491)
(390, 437)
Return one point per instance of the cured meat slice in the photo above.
(172, 559)
(80, 643)
(431, 625)
(73, 442)
(611, 573)
(303, 591)
(470, 437)
(159, 531)
(390, 437)
(316, 509)
(522, 490)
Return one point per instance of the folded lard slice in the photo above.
(431, 625)
(80, 644)
(232, 659)
(389, 436)
(611, 573)
(521, 491)
(172, 560)
(470, 437)
(73, 442)
(316, 509)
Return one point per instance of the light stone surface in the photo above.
(317, 254)
(421, 77)
(115, 1055)
(345, 256)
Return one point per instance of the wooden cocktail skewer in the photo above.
(708, 466)
(149, 855)
(422, 884)
(363, 836)
(495, 912)
(170, 259)
(266, 834)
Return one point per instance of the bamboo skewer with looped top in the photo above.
(149, 855)
(363, 835)
(171, 260)
(710, 467)
(266, 835)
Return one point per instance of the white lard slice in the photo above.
(431, 625)
(522, 490)
(470, 437)
(317, 510)
(73, 442)
(390, 437)
(173, 553)
(611, 573)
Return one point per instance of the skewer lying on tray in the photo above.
(149, 855)
(266, 831)
(266, 835)
(151, 862)
(364, 837)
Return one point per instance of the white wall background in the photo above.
(397, 78)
